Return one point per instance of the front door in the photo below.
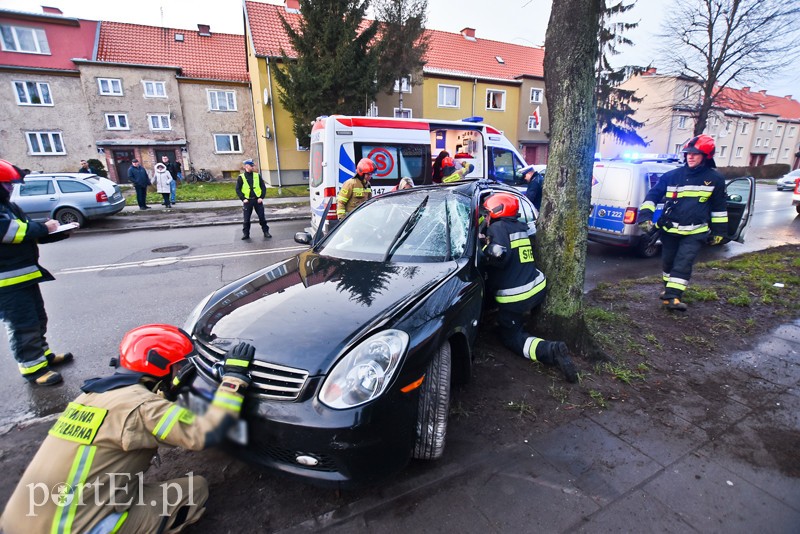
(741, 194)
(122, 162)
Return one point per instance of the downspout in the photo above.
(272, 114)
(780, 146)
(474, 94)
(669, 137)
(733, 141)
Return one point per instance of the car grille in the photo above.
(269, 380)
(273, 453)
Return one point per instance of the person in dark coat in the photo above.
(174, 169)
(137, 175)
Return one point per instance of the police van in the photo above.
(620, 186)
(400, 147)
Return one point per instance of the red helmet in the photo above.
(154, 348)
(448, 162)
(365, 166)
(501, 205)
(701, 144)
(8, 172)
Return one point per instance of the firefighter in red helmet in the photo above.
(517, 284)
(21, 304)
(356, 190)
(87, 475)
(695, 213)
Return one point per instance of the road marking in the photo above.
(170, 260)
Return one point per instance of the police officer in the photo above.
(695, 212)
(251, 190)
(87, 475)
(21, 304)
(517, 284)
(356, 190)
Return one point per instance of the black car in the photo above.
(358, 339)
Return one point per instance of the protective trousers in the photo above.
(22, 311)
(247, 209)
(678, 254)
(517, 340)
(167, 507)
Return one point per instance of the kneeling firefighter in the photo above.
(87, 475)
(517, 284)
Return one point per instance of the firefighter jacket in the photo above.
(459, 174)
(693, 199)
(91, 463)
(19, 251)
(516, 282)
(250, 187)
(353, 193)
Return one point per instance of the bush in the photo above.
(97, 167)
(762, 172)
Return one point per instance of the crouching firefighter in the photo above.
(517, 284)
(695, 213)
(87, 475)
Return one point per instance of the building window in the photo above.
(221, 100)
(159, 122)
(716, 121)
(22, 39)
(45, 143)
(791, 131)
(728, 125)
(722, 151)
(678, 148)
(154, 89)
(785, 153)
(682, 122)
(227, 143)
(402, 113)
(772, 152)
(536, 96)
(766, 141)
(534, 121)
(117, 121)
(33, 94)
(110, 86)
(779, 129)
(404, 83)
(495, 99)
(758, 141)
(744, 128)
(769, 127)
(300, 148)
(738, 152)
(373, 110)
(761, 126)
(449, 96)
(685, 91)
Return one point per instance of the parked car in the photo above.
(796, 197)
(358, 339)
(788, 181)
(68, 197)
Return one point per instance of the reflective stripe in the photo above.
(28, 368)
(529, 350)
(719, 214)
(517, 235)
(341, 198)
(524, 242)
(18, 276)
(16, 231)
(665, 276)
(719, 220)
(167, 421)
(228, 401)
(647, 205)
(246, 186)
(517, 294)
(687, 229)
(120, 522)
(673, 285)
(238, 363)
(78, 474)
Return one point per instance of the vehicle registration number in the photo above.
(198, 405)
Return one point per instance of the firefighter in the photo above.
(356, 190)
(21, 304)
(251, 190)
(449, 172)
(517, 284)
(87, 475)
(694, 213)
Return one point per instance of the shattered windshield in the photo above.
(422, 226)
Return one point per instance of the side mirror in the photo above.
(304, 238)
(734, 198)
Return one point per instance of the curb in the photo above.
(175, 225)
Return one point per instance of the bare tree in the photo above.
(569, 67)
(721, 43)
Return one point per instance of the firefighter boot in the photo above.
(45, 377)
(673, 304)
(57, 359)
(557, 353)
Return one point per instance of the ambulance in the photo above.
(400, 147)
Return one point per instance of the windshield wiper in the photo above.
(405, 230)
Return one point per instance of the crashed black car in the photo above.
(358, 339)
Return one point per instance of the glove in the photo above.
(495, 251)
(646, 226)
(182, 379)
(715, 240)
(237, 362)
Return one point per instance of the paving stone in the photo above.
(789, 332)
(765, 366)
(637, 512)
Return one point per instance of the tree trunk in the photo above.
(570, 55)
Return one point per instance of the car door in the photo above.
(37, 197)
(741, 198)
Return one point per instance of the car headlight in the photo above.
(191, 320)
(365, 372)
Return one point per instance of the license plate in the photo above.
(116, 196)
(198, 405)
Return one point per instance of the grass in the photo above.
(622, 373)
(215, 191)
(521, 408)
(598, 398)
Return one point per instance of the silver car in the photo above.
(68, 197)
(788, 181)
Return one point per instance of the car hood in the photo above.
(302, 312)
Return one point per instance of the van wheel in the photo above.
(70, 215)
(647, 249)
(434, 407)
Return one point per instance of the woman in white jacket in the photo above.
(162, 180)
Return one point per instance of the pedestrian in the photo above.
(695, 213)
(174, 169)
(163, 181)
(535, 181)
(251, 190)
(518, 286)
(356, 190)
(137, 175)
(449, 172)
(21, 304)
(436, 173)
(96, 453)
(85, 168)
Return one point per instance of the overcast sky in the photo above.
(515, 21)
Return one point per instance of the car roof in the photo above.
(76, 175)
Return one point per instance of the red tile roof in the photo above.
(759, 102)
(448, 53)
(220, 56)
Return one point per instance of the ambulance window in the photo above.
(393, 161)
(617, 185)
(504, 165)
(315, 164)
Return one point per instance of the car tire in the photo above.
(434, 407)
(797, 208)
(647, 250)
(70, 215)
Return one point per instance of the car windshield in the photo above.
(421, 226)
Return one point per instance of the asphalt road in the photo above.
(108, 283)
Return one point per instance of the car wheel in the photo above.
(434, 407)
(647, 248)
(797, 208)
(70, 215)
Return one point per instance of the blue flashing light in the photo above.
(472, 119)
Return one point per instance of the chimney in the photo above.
(204, 30)
(52, 10)
(763, 92)
(293, 6)
(788, 97)
(746, 89)
(469, 34)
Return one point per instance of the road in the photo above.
(109, 283)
